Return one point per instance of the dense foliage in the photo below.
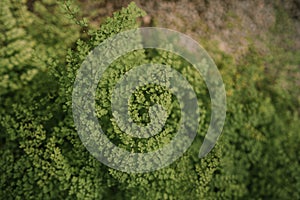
(42, 157)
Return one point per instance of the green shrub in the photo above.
(42, 156)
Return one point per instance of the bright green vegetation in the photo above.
(42, 157)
